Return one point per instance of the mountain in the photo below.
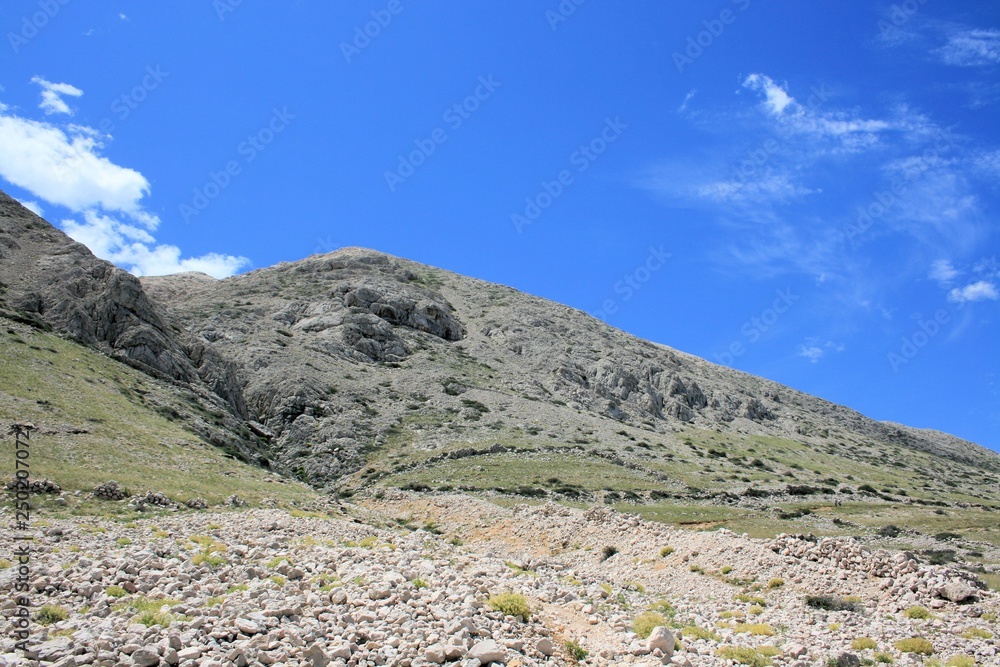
(356, 369)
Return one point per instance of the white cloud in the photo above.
(777, 100)
(977, 291)
(63, 165)
(66, 168)
(846, 131)
(943, 272)
(814, 350)
(687, 98)
(768, 187)
(133, 248)
(52, 101)
(811, 352)
(32, 206)
(970, 48)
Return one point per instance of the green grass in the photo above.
(575, 652)
(917, 645)
(917, 613)
(115, 592)
(51, 613)
(760, 629)
(695, 632)
(745, 656)
(127, 439)
(644, 623)
(976, 633)
(863, 643)
(511, 604)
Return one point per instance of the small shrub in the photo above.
(830, 603)
(917, 612)
(51, 613)
(115, 592)
(511, 604)
(755, 610)
(775, 583)
(575, 652)
(917, 645)
(760, 629)
(694, 632)
(212, 560)
(862, 643)
(834, 627)
(419, 583)
(5, 564)
(278, 579)
(151, 618)
(123, 541)
(662, 607)
(976, 633)
(884, 658)
(745, 656)
(644, 623)
(751, 599)
(608, 551)
(697, 569)
(961, 661)
(666, 551)
(889, 531)
(726, 569)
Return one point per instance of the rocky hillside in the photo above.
(357, 369)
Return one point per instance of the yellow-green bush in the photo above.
(511, 604)
(917, 645)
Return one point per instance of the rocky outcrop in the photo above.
(47, 277)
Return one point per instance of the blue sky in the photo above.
(804, 191)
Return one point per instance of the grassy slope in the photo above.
(98, 419)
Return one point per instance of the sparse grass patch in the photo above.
(666, 551)
(51, 613)
(725, 569)
(419, 583)
(115, 592)
(5, 564)
(575, 652)
(511, 604)
(775, 583)
(862, 643)
(755, 610)
(237, 587)
(976, 633)
(834, 627)
(744, 656)
(695, 632)
(917, 613)
(759, 629)
(123, 541)
(917, 645)
(751, 599)
(278, 579)
(644, 623)
(883, 658)
(961, 661)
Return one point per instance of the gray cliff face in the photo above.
(48, 277)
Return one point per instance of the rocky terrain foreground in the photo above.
(406, 579)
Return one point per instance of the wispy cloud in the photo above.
(815, 349)
(943, 272)
(52, 96)
(970, 47)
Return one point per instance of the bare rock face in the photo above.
(47, 277)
